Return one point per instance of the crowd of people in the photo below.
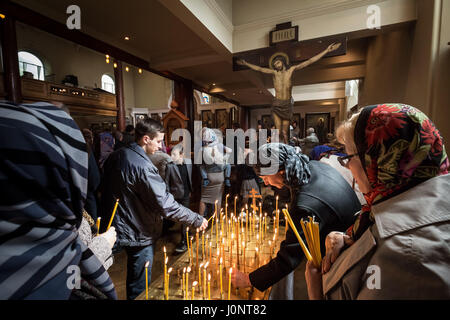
(377, 190)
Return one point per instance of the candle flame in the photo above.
(184, 270)
(188, 269)
(194, 284)
(209, 276)
(147, 264)
(167, 260)
(206, 265)
(231, 270)
(221, 260)
(201, 265)
(170, 270)
(164, 249)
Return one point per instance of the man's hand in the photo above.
(313, 279)
(333, 47)
(110, 236)
(334, 243)
(240, 279)
(204, 225)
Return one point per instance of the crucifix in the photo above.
(281, 70)
(254, 195)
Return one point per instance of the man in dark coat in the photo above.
(317, 190)
(144, 202)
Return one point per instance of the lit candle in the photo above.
(226, 205)
(168, 283)
(204, 280)
(246, 222)
(217, 230)
(192, 251)
(183, 290)
(229, 284)
(200, 276)
(187, 282)
(165, 253)
(221, 286)
(197, 241)
(187, 239)
(257, 256)
(146, 279)
(203, 245)
(231, 249)
(165, 273)
(210, 250)
(243, 249)
(113, 214)
(98, 225)
(276, 205)
(209, 286)
(237, 241)
(193, 290)
(235, 199)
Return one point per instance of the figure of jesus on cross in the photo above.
(282, 81)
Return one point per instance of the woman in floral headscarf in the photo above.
(398, 247)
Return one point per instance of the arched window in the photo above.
(108, 84)
(28, 62)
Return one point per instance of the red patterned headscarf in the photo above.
(399, 148)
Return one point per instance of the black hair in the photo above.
(282, 59)
(129, 128)
(148, 127)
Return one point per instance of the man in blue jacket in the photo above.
(144, 202)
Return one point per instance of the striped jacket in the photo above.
(43, 183)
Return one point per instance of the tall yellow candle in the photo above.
(146, 279)
(192, 251)
(220, 272)
(204, 280)
(187, 282)
(203, 245)
(226, 205)
(187, 240)
(243, 251)
(183, 283)
(168, 283)
(200, 276)
(210, 250)
(209, 286)
(231, 249)
(229, 284)
(113, 214)
(193, 290)
(257, 256)
(165, 274)
(98, 225)
(235, 199)
(196, 240)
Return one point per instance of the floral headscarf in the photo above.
(399, 148)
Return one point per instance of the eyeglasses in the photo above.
(345, 160)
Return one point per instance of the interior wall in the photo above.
(151, 90)
(387, 68)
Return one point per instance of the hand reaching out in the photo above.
(334, 243)
(110, 236)
(333, 47)
(204, 225)
(240, 279)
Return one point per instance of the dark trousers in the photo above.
(137, 258)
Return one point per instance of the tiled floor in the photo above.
(170, 240)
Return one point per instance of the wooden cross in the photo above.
(254, 195)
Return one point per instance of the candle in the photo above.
(203, 245)
(270, 252)
(231, 249)
(235, 199)
(165, 253)
(204, 280)
(209, 286)
(221, 286)
(217, 230)
(187, 282)
(193, 290)
(113, 214)
(168, 283)
(210, 249)
(187, 240)
(226, 205)
(229, 284)
(98, 225)
(243, 249)
(200, 276)
(192, 251)
(246, 222)
(276, 205)
(146, 279)
(165, 273)
(196, 240)
(237, 242)
(257, 256)
(183, 282)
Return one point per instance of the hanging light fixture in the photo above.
(127, 69)
(115, 65)
(140, 70)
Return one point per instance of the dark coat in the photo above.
(144, 200)
(174, 181)
(330, 199)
